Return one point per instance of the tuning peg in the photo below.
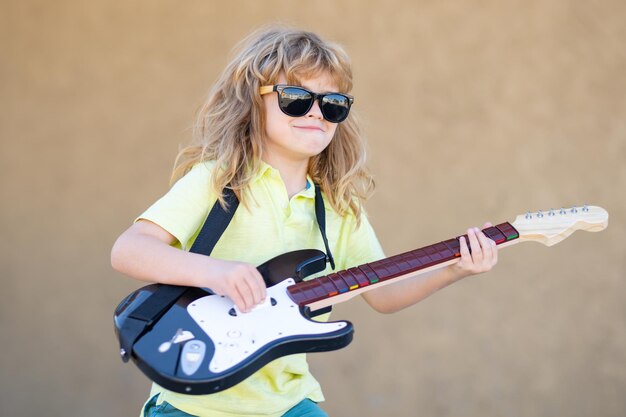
(574, 210)
(585, 208)
(539, 214)
(562, 211)
(551, 212)
(528, 215)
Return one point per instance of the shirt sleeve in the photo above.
(184, 208)
(363, 245)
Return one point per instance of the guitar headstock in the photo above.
(552, 226)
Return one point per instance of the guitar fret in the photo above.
(508, 231)
(385, 269)
(297, 295)
(444, 251)
(360, 277)
(454, 246)
(395, 265)
(309, 292)
(338, 282)
(369, 273)
(406, 262)
(380, 271)
(423, 257)
(319, 291)
(349, 280)
(389, 267)
(432, 253)
(494, 234)
(413, 261)
(328, 286)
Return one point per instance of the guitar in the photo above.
(200, 343)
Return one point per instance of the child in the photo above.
(277, 122)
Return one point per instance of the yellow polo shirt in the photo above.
(274, 224)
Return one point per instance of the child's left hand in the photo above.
(483, 255)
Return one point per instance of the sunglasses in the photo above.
(297, 101)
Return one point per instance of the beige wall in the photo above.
(475, 111)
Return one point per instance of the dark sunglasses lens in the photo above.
(294, 101)
(335, 107)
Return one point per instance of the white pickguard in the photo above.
(237, 338)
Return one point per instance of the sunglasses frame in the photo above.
(279, 88)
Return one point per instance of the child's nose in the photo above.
(315, 110)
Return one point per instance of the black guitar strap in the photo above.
(320, 215)
(148, 312)
(215, 224)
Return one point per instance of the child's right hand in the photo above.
(144, 252)
(239, 281)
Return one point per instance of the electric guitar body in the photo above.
(203, 344)
(191, 341)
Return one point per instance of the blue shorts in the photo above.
(305, 408)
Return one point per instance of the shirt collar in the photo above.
(267, 171)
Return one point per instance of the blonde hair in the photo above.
(230, 126)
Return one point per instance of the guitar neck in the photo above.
(343, 285)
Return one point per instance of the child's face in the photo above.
(297, 138)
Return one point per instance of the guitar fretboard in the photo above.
(373, 273)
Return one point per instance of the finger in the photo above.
(495, 254)
(487, 247)
(237, 299)
(256, 285)
(260, 289)
(246, 295)
(477, 253)
(464, 250)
